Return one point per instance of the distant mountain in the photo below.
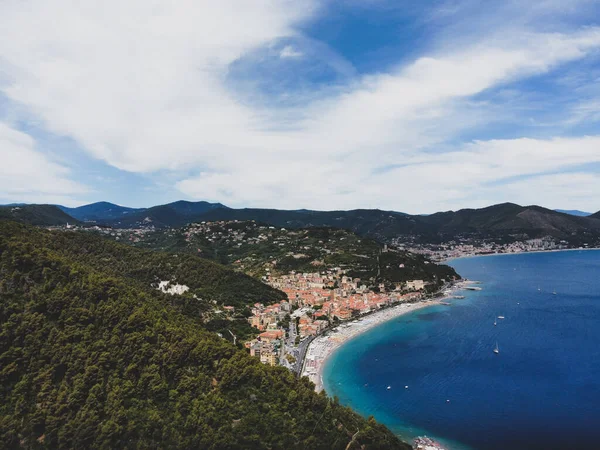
(172, 214)
(169, 215)
(509, 217)
(99, 211)
(574, 212)
(501, 221)
(367, 222)
(40, 215)
(498, 221)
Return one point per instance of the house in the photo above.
(415, 285)
(271, 335)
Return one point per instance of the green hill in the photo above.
(99, 211)
(172, 214)
(41, 215)
(499, 221)
(91, 359)
(258, 249)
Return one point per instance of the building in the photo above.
(415, 285)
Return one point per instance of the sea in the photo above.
(433, 372)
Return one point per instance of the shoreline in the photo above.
(477, 255)
(324, 346)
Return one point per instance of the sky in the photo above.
(415, 106)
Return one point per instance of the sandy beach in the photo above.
(324, 346)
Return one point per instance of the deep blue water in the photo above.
(542, 391)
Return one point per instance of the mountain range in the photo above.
(502, 220)
(164, 215)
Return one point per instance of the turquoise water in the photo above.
(542, 391)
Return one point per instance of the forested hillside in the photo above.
(205, 286)
(206, 280)
(90, 359)
(41, 215)
(258, 249)
(99, 211)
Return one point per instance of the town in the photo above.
(316, 302)
(471, 246)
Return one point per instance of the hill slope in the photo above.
(99, 211)
(503, 221)
(90, 360)
(41, 215)
(172, 214)
(206, 280)
(259, 250)
(499, 220)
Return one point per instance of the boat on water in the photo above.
(389, 387)
(554, 293)
(496, 350)
(500, 317)
(458, 297)
(495, 322)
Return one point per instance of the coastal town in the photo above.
(317, 301)
(468, 246)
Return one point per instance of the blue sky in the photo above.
(415, 106)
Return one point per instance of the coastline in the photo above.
(323, 347)
(477, 255)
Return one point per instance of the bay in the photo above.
(542, 391)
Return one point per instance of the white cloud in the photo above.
(142, 86)
(290, 52)
(484, 173)
(26, 175)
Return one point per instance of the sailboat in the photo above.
(495, 322)
(496, 350)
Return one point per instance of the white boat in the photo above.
(389, 387)
(495, 322)
(496, 350)
(553, 292)
(500, 317)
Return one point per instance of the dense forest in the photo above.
(90, 357)
(206, 280)
(210, 285)
(41, 215)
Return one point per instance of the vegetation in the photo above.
(208, 282)
(91, 357)
(172, 214)
(505, 222)
(259, 249)
(99, 211)
(42, 215)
